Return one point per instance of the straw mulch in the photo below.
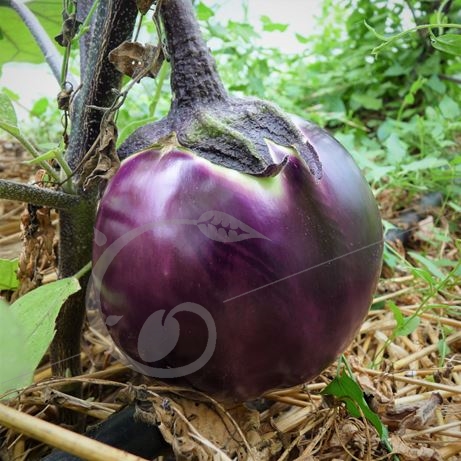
(412, 382)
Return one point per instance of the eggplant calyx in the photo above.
(234, 134)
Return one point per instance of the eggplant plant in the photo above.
(111, 24)
(237, 247)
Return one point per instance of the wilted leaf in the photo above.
(132, 58)
(144, 5)
(420, 453)
(104, 164)
(69, 30)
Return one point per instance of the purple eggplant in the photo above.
(237, 256)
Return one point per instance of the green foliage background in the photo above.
(397, 111)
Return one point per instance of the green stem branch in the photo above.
(37, 195)
(389, 40)
(31, 149)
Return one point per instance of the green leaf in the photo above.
(443, 349)
(436, 84)
(204, 12)
(396, 70)
(448, 43)
(398, 316)
(303, 40)
(367, 101)
(15, 371)
(32, 318)
(449, 108)
(405, 325)
(346, 389)
(39, 107)
(8, 270)
(425, 164)
(270, 26)
(7, 112)
(16, 41)
(428, 264)
(396, 148)
(409, 325)
(130, 127)
(8, 120)
(11, 94)
(49, 155)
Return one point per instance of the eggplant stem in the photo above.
(194, 78)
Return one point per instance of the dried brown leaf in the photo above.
(38, 245)
(100, 168)
(144, 5)
(134, 59)
(413, 453)
(199, 430)
(423, 415)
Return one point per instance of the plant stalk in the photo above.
(194, 77)
(113, 23)
(37, 195)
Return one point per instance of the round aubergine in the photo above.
(233, 283)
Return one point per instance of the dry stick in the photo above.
(288, 400)
(442, 320)
(392, 295)
(413, 399)
(431, 430)
(424, 352)
(447, 452)
(419, 382)
(11, 238)
(58, 437)
(430, 371)
(12, 213)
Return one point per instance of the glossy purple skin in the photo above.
(301, 292)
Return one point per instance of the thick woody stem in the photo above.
(113, 23)
(194, 78)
